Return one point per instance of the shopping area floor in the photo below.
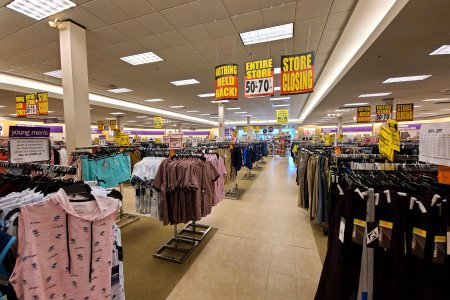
(264, 247)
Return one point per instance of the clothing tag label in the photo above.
(359, 228)
(79, 208)
(439, 249)
(115, 277)
(385, 234)
(372, 234)
(418, 242)
(342, 230)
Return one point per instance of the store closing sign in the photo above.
(157, 122)
(21, 106)
(227, 82)
(405, 112)
(259, 78)
(297, 74)
(282, 116)
(363, 114)
(42, 101)
(384, 112)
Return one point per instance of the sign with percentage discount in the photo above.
(259, 78)
(384, 112)
(31, 109)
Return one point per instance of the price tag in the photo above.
(258, 87)
(383, 117)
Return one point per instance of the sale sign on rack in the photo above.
(31, 105)
(227, 82)
(297, 74)
(384, 112)
(21, 106)
(363, 114)
(405, 112)
(282, 116)
(42, 100)
(259, 78)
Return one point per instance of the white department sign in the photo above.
(29, 150)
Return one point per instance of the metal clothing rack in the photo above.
(69, 170)
(417, 167)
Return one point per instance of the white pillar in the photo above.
(180, 128)
(120, 123)
(249, 132)
(339, 131)
(221, 113)
(77, 116)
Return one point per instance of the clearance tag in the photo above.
(359, 228)
(372, 234)
(418, 242)
(439, 249)
(342, 230)
(444, 175)
(385, 234)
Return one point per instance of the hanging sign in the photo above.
(363, 114)
(297, 74)
(384, 112)
(259, 78)
(395, 134)
(113, 124)
(42, 100)
(100, 125)
(21, 106)
(257, 129)
(405, 112)
(157, 122)
(385, 143)
(227, 82)
(176, 141)
(434, 146)
(31, 104)
(327, 139)
(282, 116)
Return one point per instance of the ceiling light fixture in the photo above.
(56, 73)
(141, 117)
(279, 98)
(120, 90)
(153, 100)
(177, 106)
(277, 71)
(277, 88)
(374, 95)
(232, 108)
(240, 112)
(280, 105)
(445, 49)
(436, 100)
(406, 78)
(220, 101)
(193, 111)
(206, 95)
(274, 33)
(416, 106)
(356, 104)
(213, 117)
(204, 114)
(427, 113)
(143, 58)
(38, 9)
(184, 82)
(117, 113)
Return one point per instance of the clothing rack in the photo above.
(418, 167)
(69, 170)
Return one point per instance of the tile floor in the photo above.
(264, 248)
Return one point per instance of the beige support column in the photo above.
(180, 128)
(77, 116)
(120, 123)
(221, 113)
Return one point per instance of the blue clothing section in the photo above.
(113, 170)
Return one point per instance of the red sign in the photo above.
(21, 106)
(227, 82)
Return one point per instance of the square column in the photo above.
(221, 120)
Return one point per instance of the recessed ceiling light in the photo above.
(280, 105)
(2, 106)
(241, 112)
(406, 78)
(204, 114)
(51, 111)
(38, 9)
(441, 50)
(143, 58)
(277, 71)
(110, 118)
(177, 106)
(232, 108)
(141, 117)
(117, 113)
(356, 104)
(328, 117)
(120, 90)
(277, 88)
(213, 117)
(374, 95)
(275, 33)
(184, 82)
(220, 101)
(153, 100)
(279, 98)
(56, 73)
(131, 121)
(436, 99)
(247, 115)
(193, 111)
(206, 95)
(13, 115)
(417, 106)
(427, 113)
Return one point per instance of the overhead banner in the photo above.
(21, 106)
(384, 112)
(227, 82)
(42, 100)
(259, 78)
(282, 116)
(363, 114)
(157, 122)
(405, 112)
(297, 74)
(31, 105)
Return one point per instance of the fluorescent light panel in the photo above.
(204, 114)
(206, 95)
(143, 58)
(213, 117)
(117, 113)
(233, 108)
(406, 78)
(193, 111)
(280, 105)
(436, 99)
(275, 33)
(141, 117)
(39, 9)
(240, 112)
(277, 88)
(56, 73)
(356, 104)
(177, 106)
(120, 90)
(153, 100)
(220, 101)
(277, 71)
(445, 49)
(374, 95)
(184, 82)
(279, 98)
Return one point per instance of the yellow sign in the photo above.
(42, 99)
(100, 125)
(282, 116)
(21, 106)
(227, 82)
(257, 129)
(383, 112)
(31, 105)
(363, 114)
(405, 112)
(113, 124)
(259, 78)
(297, 74)
(385, 143)
(158, 140)
(157, 122)
(395, 134)
(327, 139)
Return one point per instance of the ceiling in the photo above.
(401, 50)
(191, 36)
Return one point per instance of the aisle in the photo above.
(264, 248)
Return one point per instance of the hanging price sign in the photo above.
(282, 116)
(42, 100)
(113, 124)
(259, 78)
(227, 82)
(384, 112)
(157, 122)
(31, 109)
(21, 106)
(297, 74)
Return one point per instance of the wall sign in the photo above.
(259, 78)
(405, 112)
(297, 74)
(363, 114)
(176, 141)
(42, 101)
(21, 106)
(157, 122)
(29, 144)
(282, 116)
(384, 112)
(31, 105)
(227, 82)
(434, 145)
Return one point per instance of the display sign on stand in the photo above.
(259, 78)
(363, 114)
(226, 83)
(176, 141)
(383, 112)
(297, 74)
(29, 144)
(405, 112)
(385, 143)
(434, 146)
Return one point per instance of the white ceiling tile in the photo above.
(325, 47)
(132, 29)
(330, 36)
(236, 7)
(337, 20)
(163, 4)
(83, 17)
(208, 10)
(343, 5)
(106, 11)
(171, 38)
(248, 21)
(220, 28)
(206, 45)
(277, 15)
(269, 3)
(125, 49)
(195, 33)
(307, 42)
(134, 8)
(301, 27)
(181, 16)
(152, 42)
(104, 37)
(178, 51)
(155, 23)
(307, 9)
(9, 22)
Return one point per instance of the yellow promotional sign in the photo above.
(297, 74)
(31, 105)
(100, 125)
(327, 139)
(282, 116)
(385, 143)
(157, 122)
(383, 112)
(158, 140)
(257, 129)
(405, 112)
(21, 106)
(363, 114)
(226, 82)
(259, 78)
(395, 134)
(113, 124)
(42, 99)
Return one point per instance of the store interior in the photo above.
(255, 149)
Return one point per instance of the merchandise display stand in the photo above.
(235, 193)
(194, 231)
(175, 245)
